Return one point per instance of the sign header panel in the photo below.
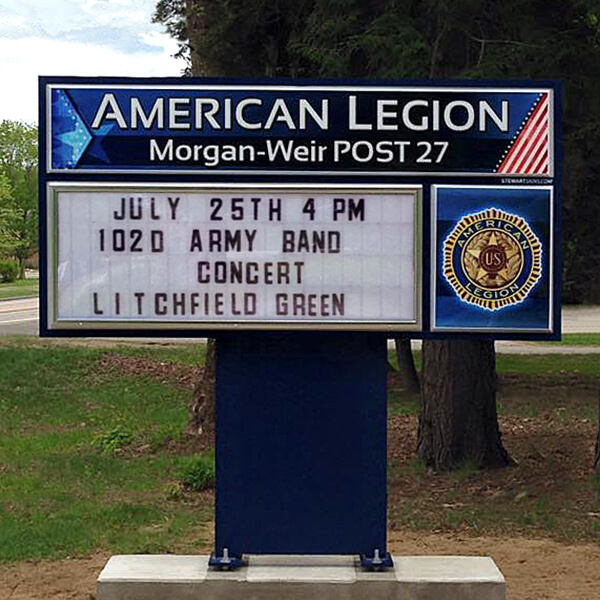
(210, 257)
(330, 130)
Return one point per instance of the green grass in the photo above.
(579, 339)
(189, 355)
(402, 403)
(24, 288)
(532, 364)
(538, 364)
(85, 464)
(197, 472)
(72, 479)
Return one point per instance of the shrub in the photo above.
(197, 472)
(113, 441)
(9, 270)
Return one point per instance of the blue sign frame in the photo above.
(99, 130)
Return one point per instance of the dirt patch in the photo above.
(72, 579)
(554, 383)
(534, 569)
(550, 491)
(138, 366)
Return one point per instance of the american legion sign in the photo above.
(300, 223)
(180, 205)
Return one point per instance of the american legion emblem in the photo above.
(492, 259)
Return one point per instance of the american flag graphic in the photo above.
(529, 152)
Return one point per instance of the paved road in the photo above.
(20, 317)
(581, 319)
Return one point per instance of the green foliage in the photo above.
(403, 403)
(580, 339)
(8, 239)
(517, 39)
(23, 288)
(9, 270)
(114, 440)
(559, 365)
(171, 13)
(18, 174)
(197, 473)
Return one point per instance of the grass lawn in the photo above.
(557, 365)
(89, 456)
(92, 443)
(580, 339)
(553, 365)
(24, 288)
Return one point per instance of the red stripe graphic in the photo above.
(522, 146)
(529, 152)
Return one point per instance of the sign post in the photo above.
(301, 224)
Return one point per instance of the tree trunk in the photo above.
(195, 17)
(458, 421)
(597, 453)
(406, 366)
(202, 408)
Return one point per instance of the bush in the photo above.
(113, 441)
(197, 473)
(9, 270)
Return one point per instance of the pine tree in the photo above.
(515, 39)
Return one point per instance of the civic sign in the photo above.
(185, 206)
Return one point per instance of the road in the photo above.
(20, 317)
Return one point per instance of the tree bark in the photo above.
(597, 451)
(458, 421)
(406, 366)
(197, 25)
(202, 408)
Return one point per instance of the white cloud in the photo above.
(76, 37)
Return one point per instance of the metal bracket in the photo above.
(225, 562)
(377, 562)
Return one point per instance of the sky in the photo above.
(76, 37)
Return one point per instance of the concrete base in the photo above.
(169, 577)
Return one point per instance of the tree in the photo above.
(406, 366)
(8, 239)
(19, 165)
(521, 39)
(597, 449)
(458, 421)
(463, 38)
(173, 15)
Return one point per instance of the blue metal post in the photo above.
(301, 444)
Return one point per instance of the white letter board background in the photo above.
(375, 269)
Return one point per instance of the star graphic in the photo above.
(482, 273)
(96, 148)
(70, 134)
